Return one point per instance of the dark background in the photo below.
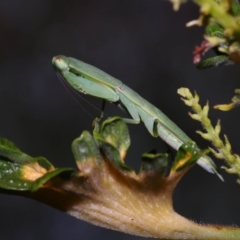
(143, 43)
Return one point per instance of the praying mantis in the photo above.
(93, 81)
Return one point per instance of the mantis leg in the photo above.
(131, 110)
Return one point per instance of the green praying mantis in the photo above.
(93, 81)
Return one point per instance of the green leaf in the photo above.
(19, 171)
(48, 176)
(214, 30)
(114, 140)
(113, 155)
(115, 132)
(215, 62)
(8, 144)
(111, 141)
(154, 164)
(10, 152)
(85, 148)
(11, 176)
(187, 154)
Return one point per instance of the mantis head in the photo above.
(60, 62)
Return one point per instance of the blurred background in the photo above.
(143, 43)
